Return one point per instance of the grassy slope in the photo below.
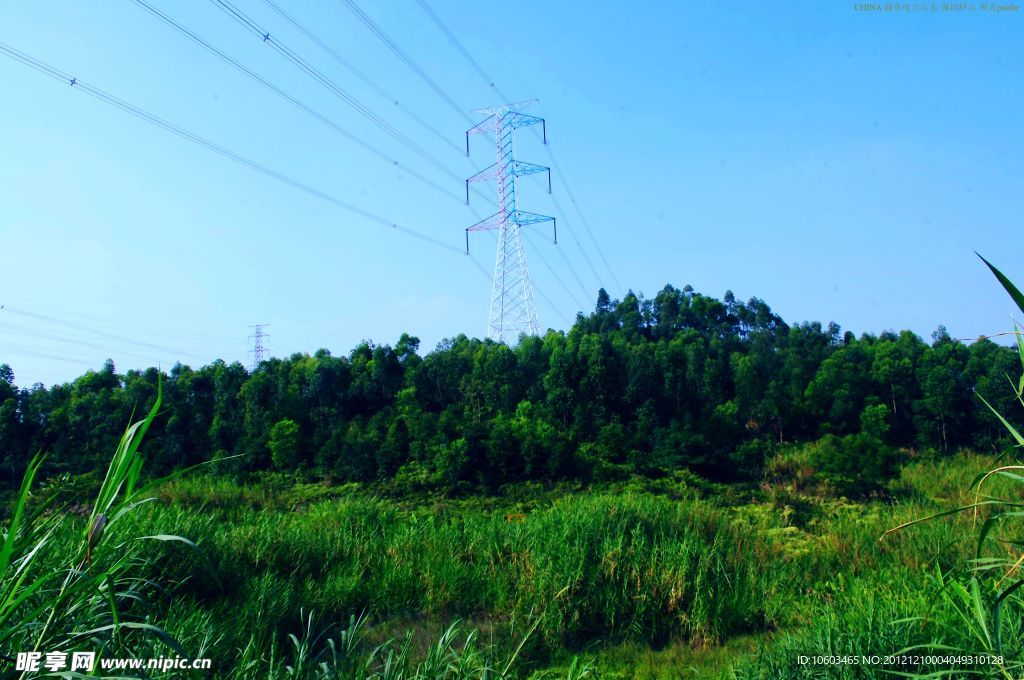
(652, 579)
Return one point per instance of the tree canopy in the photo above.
(639, 386)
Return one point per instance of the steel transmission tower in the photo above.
(259, 350)
(512, 310)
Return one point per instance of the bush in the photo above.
(855, 465)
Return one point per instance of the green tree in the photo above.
(283, 442)
(840, 388)
(942, 411)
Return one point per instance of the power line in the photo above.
(56, 338)
(376, 30)
(75, 83)
(189, 336)
(572, 235)
(289, 98)
(242, 19)
(331, 86)
(93, 331)
(303, 65)
(485, 28)
(572, 270)
(359, 74)
(42, 355)
(555, 309)
(462, 50)
(554, 274)
(583, 219)
(255, 76)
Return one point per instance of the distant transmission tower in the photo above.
(513, 310)
(259, 350)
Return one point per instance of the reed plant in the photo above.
(69, 582)
(985, 599)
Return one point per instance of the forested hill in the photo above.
(639, 386)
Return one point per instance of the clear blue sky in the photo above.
(841, 165)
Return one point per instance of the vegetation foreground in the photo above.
(640, 580)
(842, 556)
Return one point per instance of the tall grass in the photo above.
(568, 576)
(986, 600)
(588, 570)
(456, 653)
(67, 583)
(590, 567)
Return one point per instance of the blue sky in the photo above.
(841, 165)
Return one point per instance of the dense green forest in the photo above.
(635, 558)
(639, 386)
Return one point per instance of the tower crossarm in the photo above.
(485, 175)
(517, 120)
(525, 219)
(501, 109)
(518, 169)
(487, 126)
(522, 169)
(508, 119)
(483, 127)
(520, 218)
(493, 222)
